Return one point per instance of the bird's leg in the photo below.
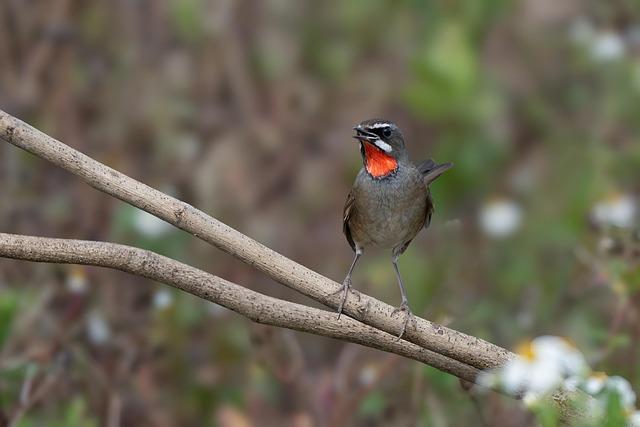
(346, 284)
(404, 305)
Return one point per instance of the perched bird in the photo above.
(390, 200)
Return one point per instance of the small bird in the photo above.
(390, 201)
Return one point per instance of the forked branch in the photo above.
(469, 350)
(370, 321)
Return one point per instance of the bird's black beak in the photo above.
(364, 135)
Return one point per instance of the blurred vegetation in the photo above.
(244, 109)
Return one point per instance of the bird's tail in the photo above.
(431, 171)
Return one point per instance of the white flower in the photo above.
(500, 218)
(162, 299)
(618, 210)
(368, 375)
(76, 280)
(537, 376)
(149, 225)
(97, 328)
(543, 366)
(600, 384)
(488, 380)
(531, 399)
(607, 46)
(565, 354)
(572, 383)
(606, 244)
(622, 387)
(595, 383)
(634, 419)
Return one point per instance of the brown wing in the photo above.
(346, 215)
(429, 210)
(430, 172)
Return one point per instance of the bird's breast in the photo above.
(390, 211)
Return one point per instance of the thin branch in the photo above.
(467, 349)
(253, 305)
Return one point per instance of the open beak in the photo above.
(363, 135)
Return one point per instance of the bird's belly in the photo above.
(388, 220)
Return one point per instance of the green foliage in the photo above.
(9, 305)
(159, 237)
(373, 404)
(547, 415)
(187, 18)
(77, 414)
(446, 75)
(615, 412)
(11, 378)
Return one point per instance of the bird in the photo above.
(390, 201)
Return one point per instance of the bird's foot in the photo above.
(408, 316)
(344, 291)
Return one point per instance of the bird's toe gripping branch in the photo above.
(408, 316)
(344, 291)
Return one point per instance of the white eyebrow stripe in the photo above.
(379, 125)
(383, 145)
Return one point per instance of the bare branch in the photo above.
(253, 305)
(370, 323)
(467, 349)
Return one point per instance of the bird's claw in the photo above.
(344, 290)
(346, 284)
(408, 315)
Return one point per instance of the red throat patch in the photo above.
(378, 163)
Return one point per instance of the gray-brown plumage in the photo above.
(390, 200)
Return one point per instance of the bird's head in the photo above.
(381, 145)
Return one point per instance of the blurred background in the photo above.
(244, 109)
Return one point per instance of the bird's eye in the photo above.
(386, 132)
